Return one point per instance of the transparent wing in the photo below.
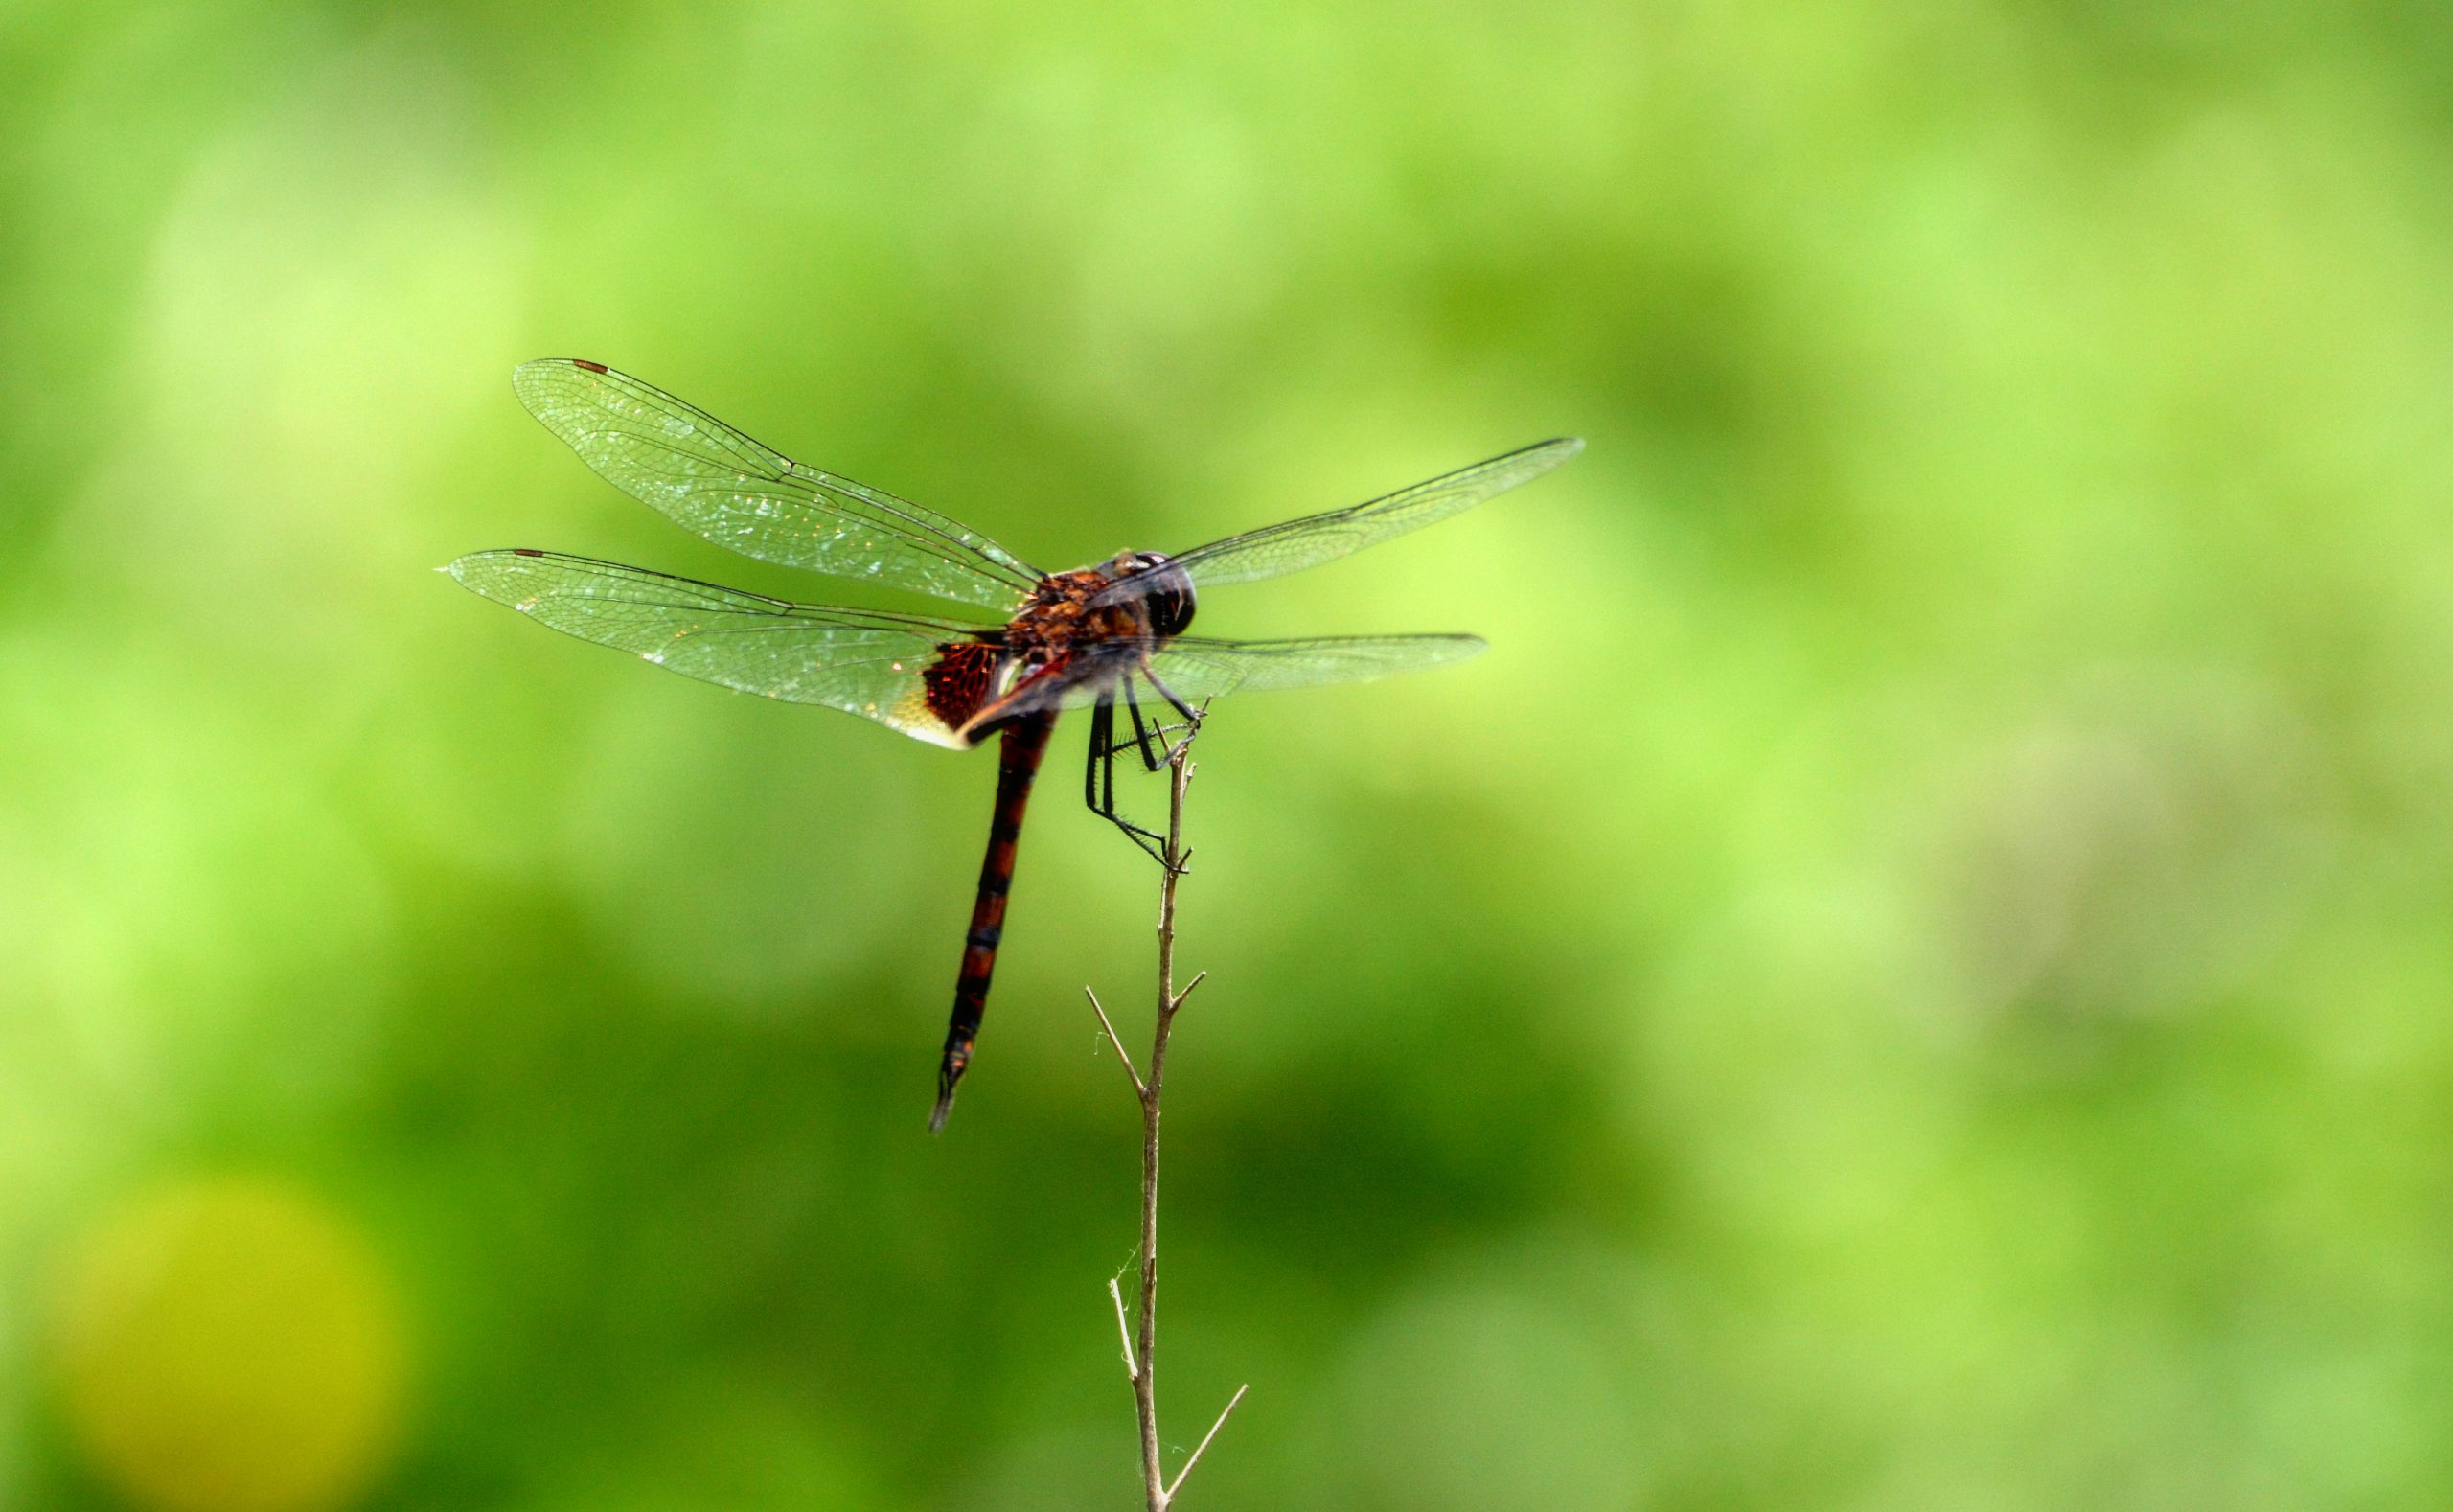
(1197, 668)
(1274, 550)
(862, 662)
(718, 482)
(1194, 668)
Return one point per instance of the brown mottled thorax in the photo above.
(1060, 626)
(1059, 616)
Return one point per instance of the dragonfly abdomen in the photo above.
(1017, 761)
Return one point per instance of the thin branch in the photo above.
(1145, 1381)
(1141, 1345)
(1124, 1331)
(1126, 1060)
(1177, 1483)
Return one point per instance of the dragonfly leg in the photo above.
(1149, 742)
(1192, 716)
(1098, 780)
(1102, 746)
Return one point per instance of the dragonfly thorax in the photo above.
(1064, 618)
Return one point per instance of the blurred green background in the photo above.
(1914, 975)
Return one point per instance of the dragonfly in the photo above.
(1036, 644)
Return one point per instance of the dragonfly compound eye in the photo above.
(1168, 594)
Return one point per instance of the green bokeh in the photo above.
(1914, 975)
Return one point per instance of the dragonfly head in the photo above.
(1164, 592)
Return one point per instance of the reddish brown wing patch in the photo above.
(959, 681)
(583, 362)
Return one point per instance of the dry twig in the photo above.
(1141, 1353)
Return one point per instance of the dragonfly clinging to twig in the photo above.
(1096, 636)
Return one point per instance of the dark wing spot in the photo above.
(958, 681)
(583, 362)
(525, 551)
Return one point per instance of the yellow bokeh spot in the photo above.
(230, 1346)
